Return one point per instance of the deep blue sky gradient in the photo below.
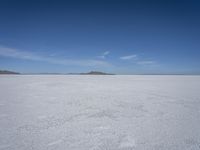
(163, 35)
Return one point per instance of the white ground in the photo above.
(45, 112)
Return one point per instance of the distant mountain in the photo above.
(8, 72)
(88, 73)
(96, 73)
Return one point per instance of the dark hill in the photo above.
(96, 73)
(8, 72)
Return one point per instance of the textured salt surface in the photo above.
(99, 112)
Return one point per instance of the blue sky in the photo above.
(117, 36)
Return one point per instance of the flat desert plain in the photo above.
(85, 112)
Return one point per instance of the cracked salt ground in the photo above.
(3, 115)
(4, 147)
(127, 142)
(99, 112)
(55, 142)
(42, 117)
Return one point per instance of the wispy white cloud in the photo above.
(19, 54)
(103, 56)
(137, 60)
(106, 53)
(128, 57)
(148, 62)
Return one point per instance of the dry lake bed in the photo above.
(115, 112)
